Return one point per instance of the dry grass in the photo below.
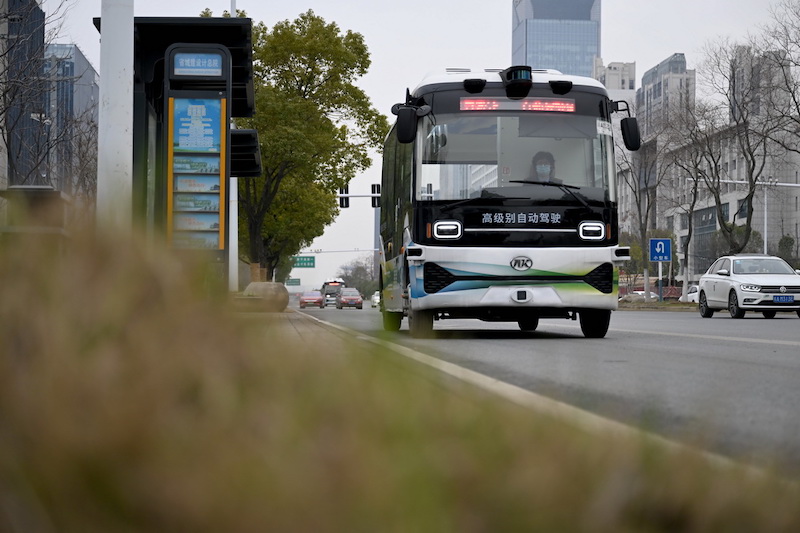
(132, 400)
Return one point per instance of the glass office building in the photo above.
(557, 34)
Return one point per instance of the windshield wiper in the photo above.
(563, 186)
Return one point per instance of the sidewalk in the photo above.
(296, 328)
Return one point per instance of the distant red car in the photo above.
(348, 297)
(313, 298)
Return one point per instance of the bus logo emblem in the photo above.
(521, 263)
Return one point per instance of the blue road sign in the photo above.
(660, 250)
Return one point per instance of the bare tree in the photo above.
(26, 132)
(780, 41)
(740, 125)
(82, 168)
(642, 173)
(688, 167)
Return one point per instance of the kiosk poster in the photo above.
(196, 164)
(197, 184)
(197, 221)
(198, 123)
(196, 240)
(196, 202)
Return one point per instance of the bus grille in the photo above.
(436, 278)
(601, 278)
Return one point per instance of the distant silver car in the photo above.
(376, 299)
(749, 282)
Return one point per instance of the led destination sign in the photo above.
(555, 105)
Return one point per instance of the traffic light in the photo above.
(344, 199)
(376, 190)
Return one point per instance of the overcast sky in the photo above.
(409, 38)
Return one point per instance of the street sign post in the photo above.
(660, 251)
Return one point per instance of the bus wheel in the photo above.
(391, 321)
(420, 324)
(529, 324)
(594, 322)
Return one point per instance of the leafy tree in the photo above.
(315, 126)
(787, 249)
(298, 214)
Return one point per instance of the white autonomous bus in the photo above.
(499, 201)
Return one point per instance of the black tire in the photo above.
(528, 324)
(358, 307)
(733, 306)
(322, 306)
(769, 314)
(420, 324)
(702, 305)
(594, 322)
(392, 321)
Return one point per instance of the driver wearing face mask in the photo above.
(544, 167)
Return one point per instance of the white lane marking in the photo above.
(690, 335)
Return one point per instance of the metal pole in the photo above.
(233, 236)
(115, 127)
(765, 220)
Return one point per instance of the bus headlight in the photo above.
(592, 231)
(447, 229)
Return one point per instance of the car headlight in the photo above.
(750, 287)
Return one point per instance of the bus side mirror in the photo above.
(630, 133)
(407, 120)
(406, 124)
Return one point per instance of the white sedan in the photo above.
(749, 282)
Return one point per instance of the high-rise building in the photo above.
(72, 114)
(667, 89)
(556, 34)
(615, 76)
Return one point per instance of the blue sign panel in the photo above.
(197, 125)
(660, 250)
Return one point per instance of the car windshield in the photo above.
(761, 266)
(312, 294)
(349, 292)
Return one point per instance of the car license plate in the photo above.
(783, 298)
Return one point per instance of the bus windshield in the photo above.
(469, 155)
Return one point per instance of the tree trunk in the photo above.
(256, 272)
